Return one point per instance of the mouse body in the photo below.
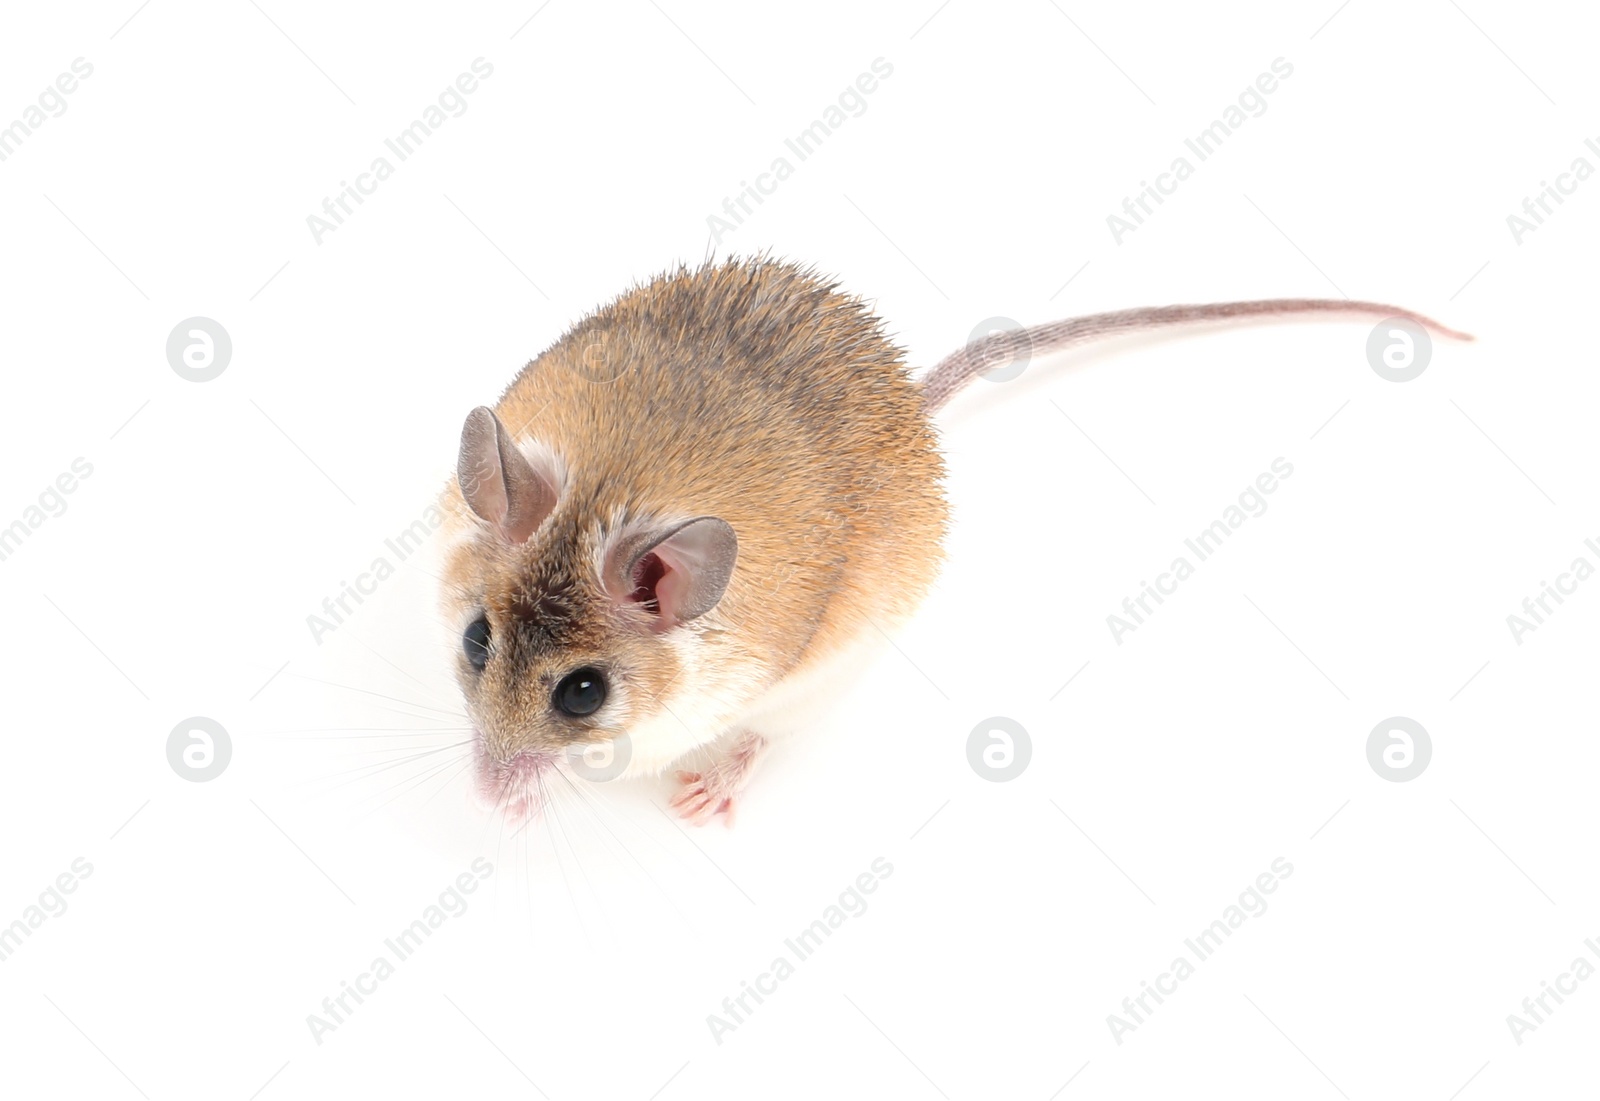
(695, 497)
(683, 522)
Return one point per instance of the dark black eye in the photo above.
(581, 692)
(475, 643)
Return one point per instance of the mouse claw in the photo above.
(692, 789)
(698, 804)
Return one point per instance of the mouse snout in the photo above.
(512, 777)
(504, 744)
(513, 757)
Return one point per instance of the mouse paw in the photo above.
(703, 797)
(716, 791)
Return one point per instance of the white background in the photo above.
(1227, 731)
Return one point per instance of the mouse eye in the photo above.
(580, 692)
(475, 643)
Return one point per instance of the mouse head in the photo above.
(574, 626)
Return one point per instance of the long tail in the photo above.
(997, 349)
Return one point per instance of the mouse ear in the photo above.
(498, 482)
(677, 573)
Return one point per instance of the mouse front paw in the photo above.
(705, 795)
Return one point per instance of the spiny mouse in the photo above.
(678, 522)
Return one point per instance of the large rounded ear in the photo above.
(677, 572)
(498, 482)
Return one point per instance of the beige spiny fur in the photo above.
(753, 391)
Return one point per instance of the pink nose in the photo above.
(512, 781)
